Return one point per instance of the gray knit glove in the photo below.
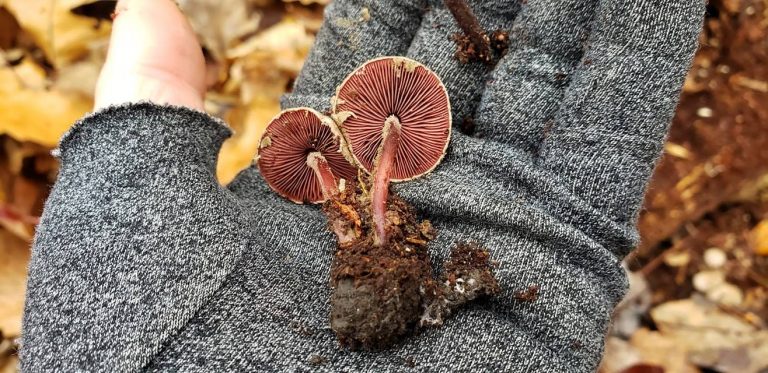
(142, 261)
(567, 129)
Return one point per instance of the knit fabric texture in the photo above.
(143, 262)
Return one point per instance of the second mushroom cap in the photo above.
(297, 142)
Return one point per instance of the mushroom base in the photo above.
(381, 293)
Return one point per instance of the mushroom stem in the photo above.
(468, 23)
(384, 163)
(325, 177)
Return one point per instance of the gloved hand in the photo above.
(568, 126)
(143, 261)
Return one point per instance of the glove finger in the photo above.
(353, 32)
(526, 88)
(613, 119)
(434, 47)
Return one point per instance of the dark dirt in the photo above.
(474, 44)
(528, 295)
(410, 362)
(576, 344)
(468, 126)
(467, 51)
(317, 360)
(380, 293)
(467, 275)
(500, 42)
(301, 328)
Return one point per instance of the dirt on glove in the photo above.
(382, 292)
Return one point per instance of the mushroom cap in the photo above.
(406, 89)
(289, 138)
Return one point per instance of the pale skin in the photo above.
(153, 56)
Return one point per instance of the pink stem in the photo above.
(384, 163)
(328, 183)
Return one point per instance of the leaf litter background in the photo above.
(699, 281)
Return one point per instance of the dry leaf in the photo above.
(709, 337)
(237, 153)
(40, 116)
(9, 28)
(309, 2)
(80, 77)
(265, 64)
(14, 255)
(619, 355)
(759, 238)
(658, 349)
(220, 24)
(62, 35)
(27, 75)
(9, 363)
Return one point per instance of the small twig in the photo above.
(656, 262)
(758, 278)
(468, 23)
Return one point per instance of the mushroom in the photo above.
(395, 116)
(300, 156)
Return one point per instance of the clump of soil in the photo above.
(382, 292)
(467, 275)
(473, 43)
(490, 49)
(529, 294)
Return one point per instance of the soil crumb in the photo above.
(468, 126)
(492, 50)
(317, 360)
(500, 42)
(467, 275)
(467, 51)
(529, 294)
(301, 328)
(410, 362)
(380, 293)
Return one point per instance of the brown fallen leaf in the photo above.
(220, 24)
(263, 67)
(14, 255)
(80, 77)
(40, 116)
(660, 350)
(265, 64)
(238, 152)
(30, 112)
(619, 355)
(61, 34)
(9, 361)
(9, 28)
(706, 336)
(759, 238)
(26, 75)
(309, 2)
